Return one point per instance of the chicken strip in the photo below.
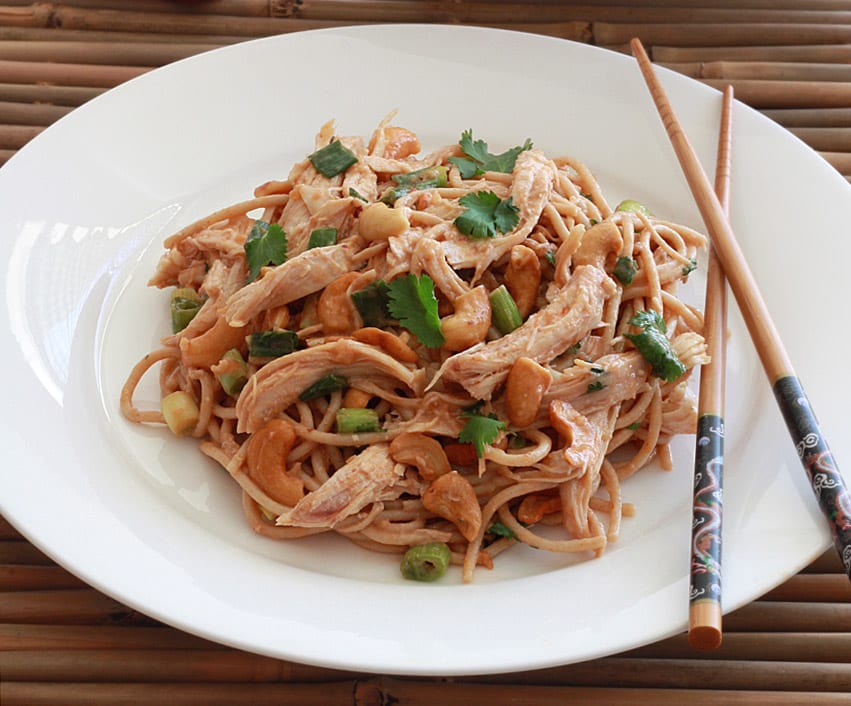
(364, 479)
(279, 383)
(304, 274)
(546, 334)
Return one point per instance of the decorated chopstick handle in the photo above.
(818, 462)
(706, 523)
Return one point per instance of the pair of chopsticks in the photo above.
(825, 479)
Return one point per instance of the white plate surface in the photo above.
(146, 519)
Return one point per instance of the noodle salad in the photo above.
(434, 355)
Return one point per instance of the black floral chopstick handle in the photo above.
(812, 448)
(706, 524)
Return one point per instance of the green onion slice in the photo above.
(324, 386)
(426, 562)
(357, 420)
(333, 159)
(504, 312)
(185, 304)
(272, 343)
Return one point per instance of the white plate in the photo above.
(145, 518)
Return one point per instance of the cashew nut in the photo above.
(387, 341)
(335, 310)
(525, 386)
(400, 143)
(453, 498)
(598, 242)
(421, 451)
(355, 398)
(208, 348)
(470, 323)
(266, 458)
(378, 221)
(523, 277)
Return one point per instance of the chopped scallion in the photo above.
(180, 412)
(324, 386)
(185, 303)
(504, 312)
(272, 344)
(333, 159)
(232, 372)
(426, 562)
(632, 206)
(357, 420)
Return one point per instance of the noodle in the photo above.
(434, 419)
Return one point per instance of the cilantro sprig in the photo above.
(486, 214)
(412, 301)
(654, 345)
(479, 430)
(266, 245)
(478, 159)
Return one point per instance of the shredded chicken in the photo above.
(546, 334)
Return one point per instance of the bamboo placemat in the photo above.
(62, 642)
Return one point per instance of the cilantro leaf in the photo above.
(266, 244)
(480, 430)
(654, 345)
(479, 160)
(412, 301)
(486, 214)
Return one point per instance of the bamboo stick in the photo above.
(810, 117)
(826, 139)
(788, 94)
(243, 8)
(16, 136)
(91, 75)
(728, 34)
(73, 607)
(15, 577)
(79, 18)
(765, 4)
(157, 665)
(784, 616)
(811, 588)
(426, 693)
(21, 552)
(31, 114)
(841, 161)
(388, 691)
(22, 636)
(44, 34)
(778, 647)
(143, 694)
(479, 12)
(111, 53)
(763, 70)
(824, 54)
(70, 96)
(650, 673)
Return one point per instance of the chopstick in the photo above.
(815, 455)
(705, 589)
